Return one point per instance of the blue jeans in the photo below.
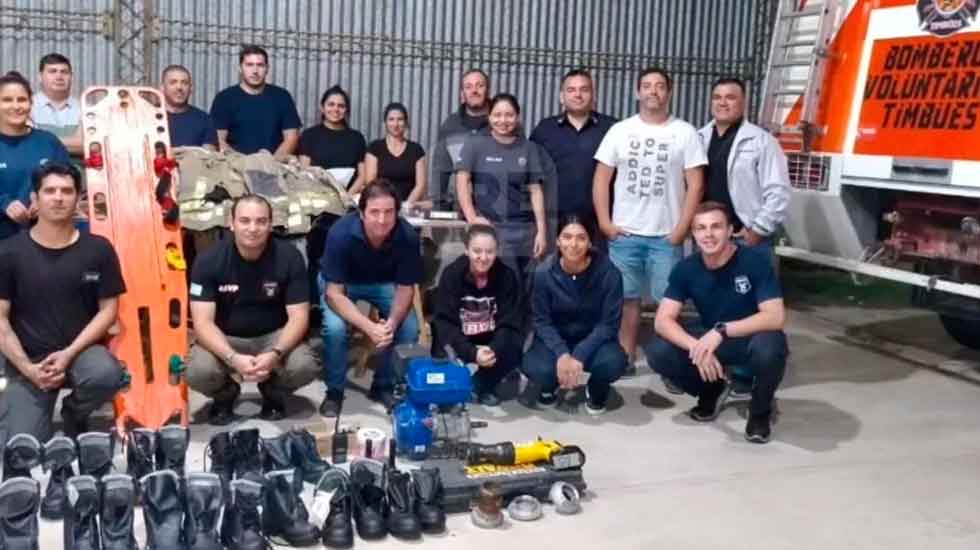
(762, 354)
(334, 333)
(605, 367)
(645, 262)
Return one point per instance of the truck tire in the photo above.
(964, 331)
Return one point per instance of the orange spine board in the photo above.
(123, 127)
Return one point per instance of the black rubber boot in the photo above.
(306, 458)
(203, 498)
(222, 457)
(116, 512)
(428, 487)
(59, 453)
(241, 526)
(19, 501)
(284, 515)
(248, 455)
(141, 448)
(163, 510)
(22, 453)
(95, 450)
(81, 513)
(402, 501)
(368, 497)
(338, 532)
(172, 441)
(277, 453)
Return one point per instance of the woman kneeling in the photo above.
(577, 304)
(478, 313)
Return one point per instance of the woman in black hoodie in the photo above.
(577, 305)
(478, 312)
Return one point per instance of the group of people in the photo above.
(629, 194)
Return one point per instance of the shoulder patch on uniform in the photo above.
(196, 289)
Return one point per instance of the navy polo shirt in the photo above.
(573, 153)
(349, 259)
(728, 293)
(254, 121)
(191, 128)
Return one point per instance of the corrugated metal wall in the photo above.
(410, 50)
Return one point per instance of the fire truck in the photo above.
(877, 105)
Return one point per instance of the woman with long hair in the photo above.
(577, 305)
(396, 158)
(478, 313)
(22, 149)
(333, 144)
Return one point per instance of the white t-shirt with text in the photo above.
(650, 160)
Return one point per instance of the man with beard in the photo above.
(471, 118)
(254, 115)
(250, 302)
(658, 160)
(59, 294)
(188, 125)
(571, 139)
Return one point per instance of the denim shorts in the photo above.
(645, 263)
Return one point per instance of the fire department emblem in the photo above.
(944, 17)
(742, 284)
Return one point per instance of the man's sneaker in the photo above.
(384, 396)
(222, 410)
(709, 402)
(671, 387)
(547, 399)
(332, 402)
(758, 429)
(592, 406)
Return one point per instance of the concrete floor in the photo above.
(877, 446)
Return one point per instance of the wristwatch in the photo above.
(279, 353)
(721, 329)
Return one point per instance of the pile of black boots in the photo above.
(256, 482)
(379, 500)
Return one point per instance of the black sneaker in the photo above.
(384, 396)
(758, 429)
(709, 402)
(332, 402)
(593, 406)
(547, 399)
(222, 411)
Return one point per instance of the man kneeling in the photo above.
(59, 291)
(736, 292)
(250, 302)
